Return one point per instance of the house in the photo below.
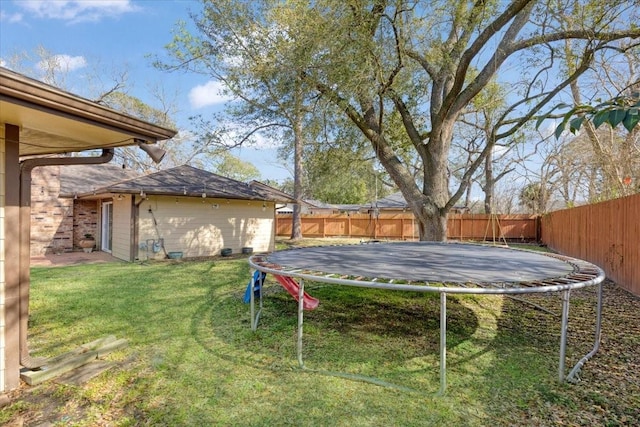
(59, 220)
(183, 210)
(72, 201)
(309, 207)
(38, 124)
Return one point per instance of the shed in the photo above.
(184, 210)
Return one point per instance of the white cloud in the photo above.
(207, 94)
(257, 141)
(62, 63)
(549, 130)
(3, 63)
(500, 150)
(11, 18)
(75, 11)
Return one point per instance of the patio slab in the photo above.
(72, 258)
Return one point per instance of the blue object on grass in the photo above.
(258, 279)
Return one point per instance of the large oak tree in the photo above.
(404, 71)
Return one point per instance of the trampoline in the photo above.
(445, 268)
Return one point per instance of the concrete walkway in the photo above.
(72, 258)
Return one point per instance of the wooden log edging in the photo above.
(86, 353)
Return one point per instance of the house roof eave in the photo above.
(54, 121)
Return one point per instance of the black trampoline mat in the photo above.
(425, 261)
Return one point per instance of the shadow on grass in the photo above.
(195, 360)
(388, 335)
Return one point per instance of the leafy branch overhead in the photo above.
(621, 109)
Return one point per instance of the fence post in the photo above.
(375, 226)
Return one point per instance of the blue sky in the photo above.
(118, 35)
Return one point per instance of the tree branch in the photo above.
(491, 30)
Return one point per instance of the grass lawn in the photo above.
(193, 360)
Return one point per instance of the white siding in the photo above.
(202, 227)
(2, 280)
(121, 231)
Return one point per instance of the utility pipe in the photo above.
(26, 167)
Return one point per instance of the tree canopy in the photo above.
(405, 72)
(226, 164)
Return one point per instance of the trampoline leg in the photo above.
(443, 343)
(563, 332)
(596, 343)
(254, 320)
(255, 316)
(300, 321)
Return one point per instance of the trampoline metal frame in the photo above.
(585, 274)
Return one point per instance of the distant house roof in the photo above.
(312, 203)
(186, 181)
(395, 200)
(80, 179)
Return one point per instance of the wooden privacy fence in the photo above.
(606, 234)
(401, 226)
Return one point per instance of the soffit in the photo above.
(53, 121)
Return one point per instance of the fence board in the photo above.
(401, 226)
(606, 234)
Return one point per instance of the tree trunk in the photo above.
(436, 182)
(489, 183)
(428, 206)
(467, 198)
(431, 226)
(296, 228)
(431, 214)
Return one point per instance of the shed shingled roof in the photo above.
(186, 180)
(79, 179)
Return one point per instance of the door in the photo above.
(107, 224)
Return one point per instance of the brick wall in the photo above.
(57, 223)
(51, 217)
(85, 220)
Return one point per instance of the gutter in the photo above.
(26, 167)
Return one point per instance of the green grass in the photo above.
(193, 360)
